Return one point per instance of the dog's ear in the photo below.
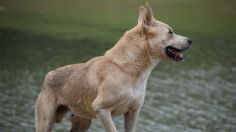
(142, 12)
(148, 15)
(145, 16)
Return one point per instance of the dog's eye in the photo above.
(170, 32)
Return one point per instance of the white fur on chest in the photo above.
(139, 89)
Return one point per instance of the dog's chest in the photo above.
(139, 89)
(136, 96)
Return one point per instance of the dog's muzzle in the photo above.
(176, 54)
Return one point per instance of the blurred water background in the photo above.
(196, 95)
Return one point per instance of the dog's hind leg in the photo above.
(78, 124)
(45, 111)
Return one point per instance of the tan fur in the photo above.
(109, 85)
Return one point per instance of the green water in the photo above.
(196, 95)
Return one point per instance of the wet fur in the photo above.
(105, 86)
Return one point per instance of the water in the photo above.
(196, 95)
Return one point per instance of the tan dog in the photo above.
(109, 85)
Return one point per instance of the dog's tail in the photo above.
(45, 111)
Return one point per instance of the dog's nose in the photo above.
(189, 41)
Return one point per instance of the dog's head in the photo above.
(164, 43)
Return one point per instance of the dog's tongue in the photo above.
(178, 56)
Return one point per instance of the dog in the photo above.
(110, 85)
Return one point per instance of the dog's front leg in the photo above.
(131, 120)
(104, 115)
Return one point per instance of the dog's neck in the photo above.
(132, 53)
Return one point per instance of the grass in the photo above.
(107, 19)
(78, 25)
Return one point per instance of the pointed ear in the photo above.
(142, 12)
(148, 15)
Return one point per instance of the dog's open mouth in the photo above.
(175, 54)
